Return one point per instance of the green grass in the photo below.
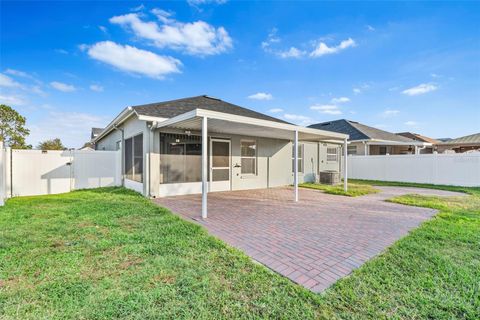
(109, 253)
(470, 190)
(354, 189)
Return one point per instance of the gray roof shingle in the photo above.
(358, 131)
(473, 139)
(169, 109)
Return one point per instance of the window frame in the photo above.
(132, 157)
(352, 153)
(255, 157)
(332, 154)
(300, 157)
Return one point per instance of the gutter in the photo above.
(122, 156)
(124, 115)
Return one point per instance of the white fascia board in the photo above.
(182, 117)
(125, 114)
(150, 118)
(266, 123)
(396, 143)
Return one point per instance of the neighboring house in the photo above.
(460, 145)
(95, 132)
(365, 140)
(164, 144)
(419, 137)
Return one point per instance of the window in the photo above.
(180, 158)
(352, 150)
(248, 156)
(134, 158)
(299, 159)
(332, 154)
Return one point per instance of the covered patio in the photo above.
(209, 124)
(315, 241)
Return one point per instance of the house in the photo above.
(419, 137)
(95, 132)
(203, 144)
(366, 140)
(460, 145)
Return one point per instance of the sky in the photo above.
(399, 66)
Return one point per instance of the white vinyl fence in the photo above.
(36, 172)
(460, 169)
(2, 174)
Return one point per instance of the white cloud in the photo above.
(18, 73)
(326, 109)
(61, 51)
(6, 81)
(411, 123)
(134, 60)
(195, 3)
(390, 113)
(299, 119)
(261, 96)
(370, 28)
(359, 89)
(103, 29)
(291, 53)
(60, 86)
(420, 89)
(340, 100)
(195, 38)
(96, 88)
(138, 8)
(73, 130)
(323, 49)
(12, 100)
(275, 110)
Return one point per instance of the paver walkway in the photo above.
(315, 241)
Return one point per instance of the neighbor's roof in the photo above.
(358, 131)
(471, 139)
(418, 137)
(96, 132)
(170, 109)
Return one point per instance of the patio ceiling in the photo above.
(224, 123)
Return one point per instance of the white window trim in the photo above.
(300, 157)
(247, 157)
(330, 154)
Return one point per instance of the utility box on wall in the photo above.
(329, 177)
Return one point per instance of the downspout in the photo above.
(151, 126)
(417, 149)
(122, 155)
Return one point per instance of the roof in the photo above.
(170, 109)
(470, 139)
(418, 137)
(95, 132)
(358, 131)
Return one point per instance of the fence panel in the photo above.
(2, 175)
(36, 172)
(461, 169)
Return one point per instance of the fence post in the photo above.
(3, 177)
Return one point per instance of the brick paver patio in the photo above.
(315, 241)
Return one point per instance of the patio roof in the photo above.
(219, 122)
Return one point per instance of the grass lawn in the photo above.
(109, 253)
(354, 189)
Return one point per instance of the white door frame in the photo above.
(220, 185)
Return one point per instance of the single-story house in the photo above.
(203, 144)
(366, 140)
(422, 138)
(460, 145)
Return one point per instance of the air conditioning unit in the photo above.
(330, 177)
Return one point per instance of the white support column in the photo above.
(345, 166)
(295, 165)
(204, 166)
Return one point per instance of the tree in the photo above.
(53, 144)
(12, 128)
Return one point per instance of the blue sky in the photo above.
(400, 66)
